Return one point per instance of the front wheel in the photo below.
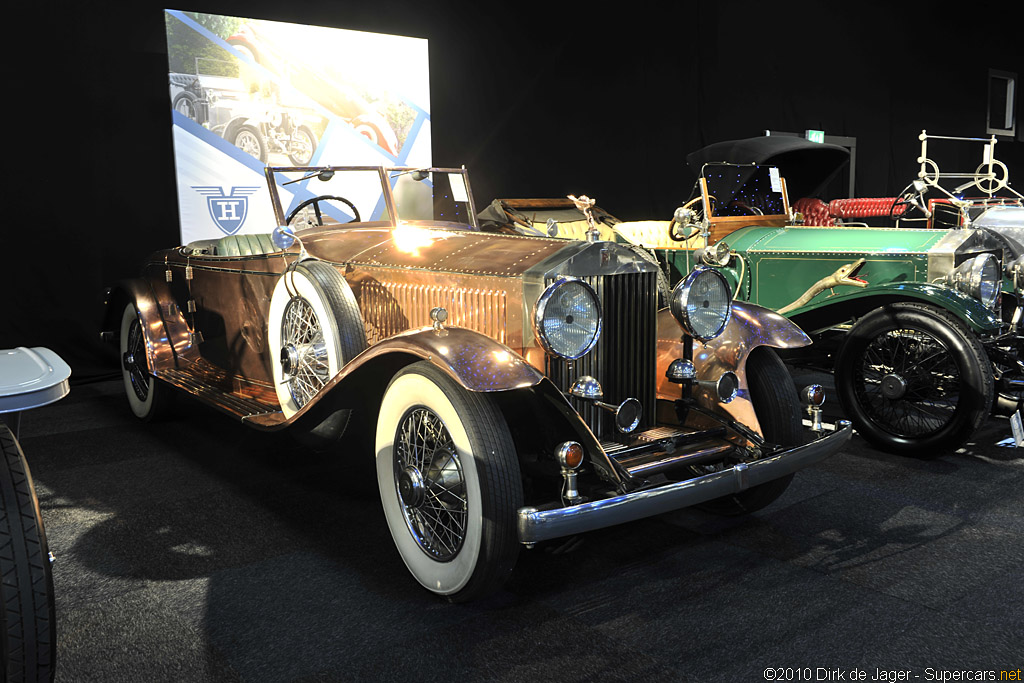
(913, 379)
(778, 412)
(28, 635)
(449, 481)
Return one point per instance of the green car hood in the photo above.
(812, 240)
(785, 268)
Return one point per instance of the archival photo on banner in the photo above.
(248, 93)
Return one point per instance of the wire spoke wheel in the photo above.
(431, 483)
(449, 482)
(148, 398)
(914, 379)
(305, 352)
(313, 329)
(135, 361)
(909, 382)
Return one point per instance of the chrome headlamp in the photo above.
(702, 303)
(567, 319)
(978, 277)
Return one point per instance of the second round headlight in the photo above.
(978, 277)
(567, 319)
(702, 303)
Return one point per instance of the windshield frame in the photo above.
(708, 204)
(385, 176)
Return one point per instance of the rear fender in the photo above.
(164, 327)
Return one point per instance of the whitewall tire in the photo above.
(313, 329)
(147, 397)
(449, 482)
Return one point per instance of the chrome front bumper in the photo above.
(540, 525)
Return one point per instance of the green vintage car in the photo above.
(909, 319)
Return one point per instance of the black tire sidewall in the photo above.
(777, 407)
(966, 351)
(26, 563)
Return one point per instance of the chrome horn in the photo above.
(627, 413)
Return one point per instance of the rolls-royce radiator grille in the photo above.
(390, 308)
(624, 359)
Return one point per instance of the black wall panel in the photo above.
(537, 100)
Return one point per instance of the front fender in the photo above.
(474, 360)
(749, 327)
(855, 302)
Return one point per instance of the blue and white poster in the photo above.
(247, 93)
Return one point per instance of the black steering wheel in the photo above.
(910, 199)
(315, 201)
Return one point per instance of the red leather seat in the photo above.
(814, 210)
(864, 207)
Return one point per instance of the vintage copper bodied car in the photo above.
(923, 344)
(518, 389)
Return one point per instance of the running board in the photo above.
(235, 403)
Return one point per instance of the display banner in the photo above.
(247, 93)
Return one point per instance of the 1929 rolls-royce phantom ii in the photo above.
(518, 389)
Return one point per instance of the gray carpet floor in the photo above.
(198, 550)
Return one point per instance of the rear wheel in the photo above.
(913, 379)
(778, 411)
(148, 398)
(449, 482)
(28, 635)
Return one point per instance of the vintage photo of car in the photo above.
(515, 389)
(918, 319)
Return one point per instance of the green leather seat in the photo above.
(245, 245)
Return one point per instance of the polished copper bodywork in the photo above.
(224, 338)
(205, 317)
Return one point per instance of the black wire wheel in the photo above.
(28, 634)
(913, 379)
(449, 482)
(313, 329)
(148, 398)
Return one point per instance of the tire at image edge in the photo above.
(28, 633)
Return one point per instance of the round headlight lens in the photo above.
(567, 319)
(979, 277)
(701, 302)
